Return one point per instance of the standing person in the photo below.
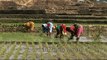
(50, 28)
(75, 30)
(61, 30)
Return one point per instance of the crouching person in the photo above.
(75, 30)
(44, 28)
(50, 28)
(61, 30)
(29, 26)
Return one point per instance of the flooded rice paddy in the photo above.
(46, 51)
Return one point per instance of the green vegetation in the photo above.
(8, 54)
(19, 36)
(18, 51)
(58, 50)
(3, 49)
(41, 37)
(24, 54)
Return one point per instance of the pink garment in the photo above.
(72, 28)
(79, 30)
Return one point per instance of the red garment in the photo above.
(79, 30)
(72, 28)
(48, 25)
(64, 27)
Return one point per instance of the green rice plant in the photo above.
(24, 55)
(32, 56)
(1, 45)
(102, 49)
(28, 46)
(84, 51)
(66, 53)
(7, 56)
(70, 50)
(49, 51)
(71, 54)
(59, 55)
(34, 51)
(80, 50)
(18, 51)
(41, 47)
(74, 50)
(93, 47)
(92, 51)
(3, 49)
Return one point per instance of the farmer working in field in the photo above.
(50, 27)
(29, 26)
(44, 28)
(75, 30)
(61, 30)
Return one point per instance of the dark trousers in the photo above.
(27, 28)
(59, 32)
(44, 29)
(71, 32)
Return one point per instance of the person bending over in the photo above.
(61, 30)
(75, 30)
(29, 26)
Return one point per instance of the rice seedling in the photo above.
(58, 51)
(84, 51)
(41, 51)
(25, 53)
(70, 53)
(55, 50)
(1, 45)
(18, 51)
(50, 51)
(3, 49)
(98, 50)
(75, 51)
(62, 45)
(91, 50)
(34, 51)
(103, 49)
(10, 52)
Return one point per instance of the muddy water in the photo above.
(100, 38)
(87, 39)
(55, 52)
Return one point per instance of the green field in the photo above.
(41, 37)
(56, 51)
(19, 36)
(16, 44)
(37, 46)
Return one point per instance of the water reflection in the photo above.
(92, 33)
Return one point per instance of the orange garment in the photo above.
(30, 25)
